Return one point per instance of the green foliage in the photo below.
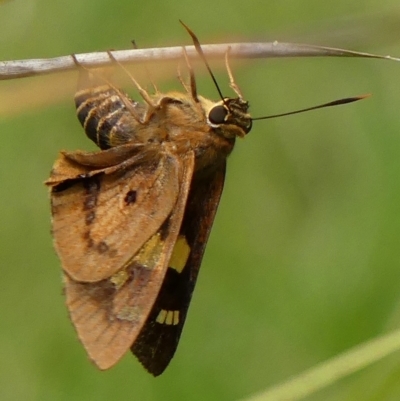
(303, 261)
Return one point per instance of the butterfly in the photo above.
(130, 222)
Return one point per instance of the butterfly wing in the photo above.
(109, 314)
(103, 215)
(158, 340)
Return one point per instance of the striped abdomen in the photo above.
(103, 115)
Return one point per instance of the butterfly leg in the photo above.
(146, 97)
(232, 82)
(149, 77)
(193, 88)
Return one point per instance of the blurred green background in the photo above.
(303, 261)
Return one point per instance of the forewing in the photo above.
(102, 217)
(109, 314)
(159, 338)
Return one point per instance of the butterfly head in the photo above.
(230, 116)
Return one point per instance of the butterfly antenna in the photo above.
(203, 57)
(320, 106)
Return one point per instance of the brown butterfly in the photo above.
(131, 221)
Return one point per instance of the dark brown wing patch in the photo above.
(158, 340)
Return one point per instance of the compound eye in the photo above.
(217, 114)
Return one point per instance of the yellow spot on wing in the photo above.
(180, 254)
(119, 279)
(161, 316)
(129, 313)
(168, 317)
(149, 254)
(176, 317)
